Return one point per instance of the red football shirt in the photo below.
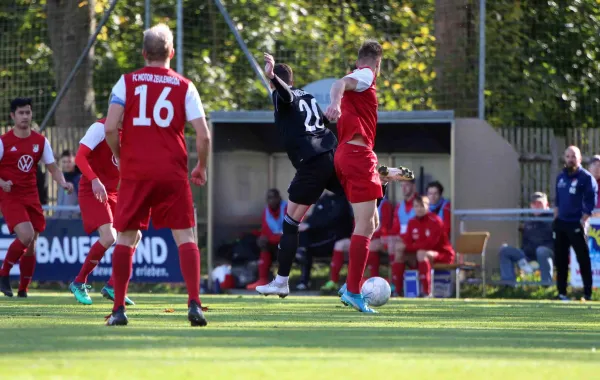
(428, 233)
(359, 109)
(101, 159)
(158, 102)
(19, 159)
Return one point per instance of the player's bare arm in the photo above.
(59, 178)
(111, 128)
(340, 86)
(203, 148)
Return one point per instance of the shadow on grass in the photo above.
(522, 330)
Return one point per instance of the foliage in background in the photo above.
(542, 57)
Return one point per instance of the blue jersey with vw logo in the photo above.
(575, 194)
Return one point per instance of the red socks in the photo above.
(264, 265)
(27, 267)
(15, 251)
(359, 251)
(425, 276)
(122, 260)
(189, 262)
(337, 261)
(96, 254)
(373, 263)
(398, 276)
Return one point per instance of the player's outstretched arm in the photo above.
(283, 90)
(340, 86)
(111, 128)
(203, 148)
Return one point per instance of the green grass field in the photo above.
(250, 337)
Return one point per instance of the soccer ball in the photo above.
(376, 291)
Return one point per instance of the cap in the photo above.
(595, 158)
(539, 196)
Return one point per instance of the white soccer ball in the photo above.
(376, 291)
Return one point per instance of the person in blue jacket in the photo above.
(576, 193)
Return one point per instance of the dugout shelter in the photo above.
(477, 167)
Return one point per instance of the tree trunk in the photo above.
(456, 57)
(70, 25)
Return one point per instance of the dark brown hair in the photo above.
(284, 72)
(370, 49)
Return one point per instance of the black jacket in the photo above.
(332, 215)
(536, 234)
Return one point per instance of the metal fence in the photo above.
(533, 63)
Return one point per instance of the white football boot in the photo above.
(274, 288)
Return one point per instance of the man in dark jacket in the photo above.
(537, 245)
(330, 221)
(576, 193)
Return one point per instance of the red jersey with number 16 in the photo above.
(359, 109)
(158, 102)
(101, 159)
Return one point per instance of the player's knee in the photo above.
(127, 238)
(182, 236)
(289, 227)
(26, 238)
(340, 245)
(421, 255)
(108, 236)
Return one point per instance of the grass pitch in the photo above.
(50, 336)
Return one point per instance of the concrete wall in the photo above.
(240, 187)
(486, 175)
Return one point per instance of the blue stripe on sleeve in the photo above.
(116, 100)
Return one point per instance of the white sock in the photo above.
(281, 280)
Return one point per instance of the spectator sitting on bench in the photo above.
(439, 205)
(427, 241)
(403, 213)
(537, 245)
(270, 234)
(377, 246)
(330, 221)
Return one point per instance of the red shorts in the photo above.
(356, 168)
(16, 211)
(170, 203)
(95, 213)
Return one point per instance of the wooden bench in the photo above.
(468, 243)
